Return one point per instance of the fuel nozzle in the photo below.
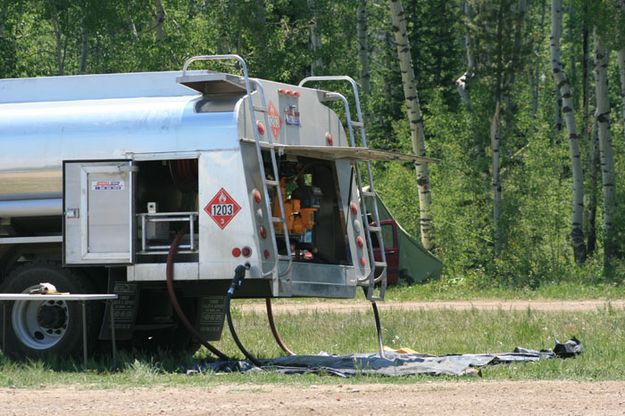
(239, 276)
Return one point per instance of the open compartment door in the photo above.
(98, 212)
(342, 153)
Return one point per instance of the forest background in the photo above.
(522, 102)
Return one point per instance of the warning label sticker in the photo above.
(222, 208)
(108, 185)
(275, 121)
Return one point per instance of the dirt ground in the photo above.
(512, 305)
(424, 398)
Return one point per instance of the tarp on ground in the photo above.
(394, 364)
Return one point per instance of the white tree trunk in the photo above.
(621, 71)
(159, 19)
(495, 140)
(315, 39)
(363, 47)
(602, 116)
(462, 83)
(415, 117)
(84, 49)
(58, 43)
(562, 83)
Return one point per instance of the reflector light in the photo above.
(329, 139)
(360, 241)
(257, 196)
(266, 254)
(281, 91)
(246, 251)
(296, 93)
(357, 226)
(261, 127)
(262, 231)
(363, 262)
(236, 252)
(354, 208)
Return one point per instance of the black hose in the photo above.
(274, 330)
(237, 281)
(378, 325)
(378, 328)
(174, 300)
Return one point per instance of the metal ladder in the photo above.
(372, 279)
(261, 145)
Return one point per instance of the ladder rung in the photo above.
(260, 108)
(358, 124)
(283, 257)
(374, 228)
(380, 264)
(368, 193)
(272, 183)
(276, 219)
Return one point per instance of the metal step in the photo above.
(380, 264)
(272, 183)
(358, 124)
(374, 228)
(260, 108)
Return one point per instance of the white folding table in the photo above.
(82, 298)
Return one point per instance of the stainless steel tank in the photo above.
(44, 121)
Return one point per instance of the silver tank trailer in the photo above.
(94, 117)
(56, 131)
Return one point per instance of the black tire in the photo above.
(47, 329)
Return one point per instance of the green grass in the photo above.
(436, 332)
(444, 290)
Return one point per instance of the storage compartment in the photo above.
(98, 212)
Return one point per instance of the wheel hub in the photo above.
(40, 325)
(51, 316)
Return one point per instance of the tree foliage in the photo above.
(512, 65)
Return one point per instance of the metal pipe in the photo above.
(31, 208)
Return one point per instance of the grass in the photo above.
(443, 290)
(436, 332)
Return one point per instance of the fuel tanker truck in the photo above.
(178, 191)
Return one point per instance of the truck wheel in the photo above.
(45, 329)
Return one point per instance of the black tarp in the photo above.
(394, 364)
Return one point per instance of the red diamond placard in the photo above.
(222, 208)
(275, 121)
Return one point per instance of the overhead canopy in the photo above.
(343, 152)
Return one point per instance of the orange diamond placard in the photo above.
(275, 121)
(222, 208)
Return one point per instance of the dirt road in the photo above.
(512, 305)
(423, 398)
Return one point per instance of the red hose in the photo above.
(274, 330)
(169, 271)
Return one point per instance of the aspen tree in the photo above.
(398, 19)
(568, 113)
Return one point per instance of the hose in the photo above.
(174, 300)
(378, 328)
(274, 330)
(237, 281)
(378, 325)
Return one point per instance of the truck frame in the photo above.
(101, 173)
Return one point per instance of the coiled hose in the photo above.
(174, 300)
